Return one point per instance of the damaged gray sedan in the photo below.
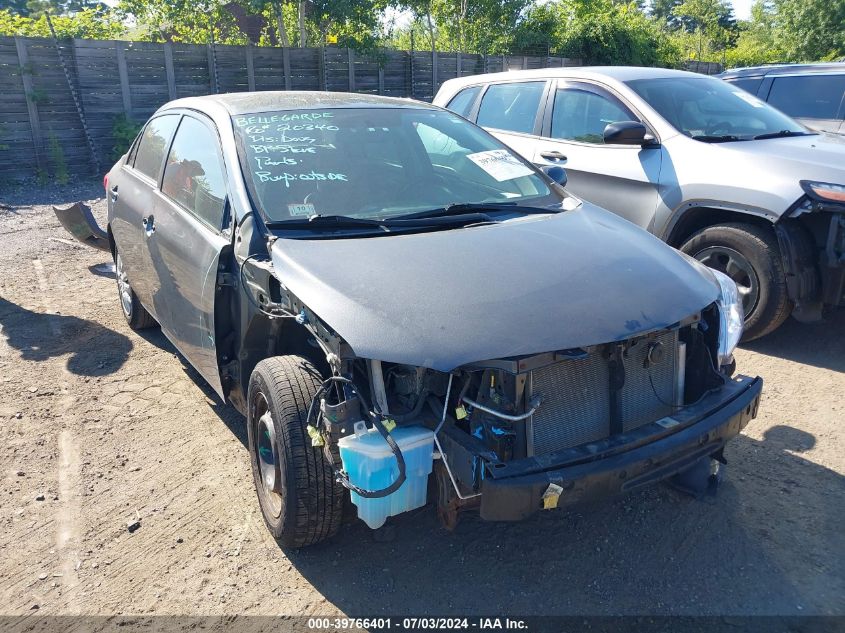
(386, 291)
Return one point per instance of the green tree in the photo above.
(712, 23)
(758, 41)
(84, 24)
(811, 30)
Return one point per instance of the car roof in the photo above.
(237, 103)
(618, 73)
(784, 69)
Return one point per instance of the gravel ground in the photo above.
(103, 428)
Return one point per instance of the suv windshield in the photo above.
(377, 163)
(712, 110)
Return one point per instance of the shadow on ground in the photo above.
(683, 556)
(94, 350)
(818, 344)
(233, 420)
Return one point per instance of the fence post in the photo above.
(168, 67)
(286, 66)
(124, 78)
(32, 108)
(212, 69)
(381, 78)
(458, 60)
(435, 60)
(524, 62)
(350, 62)
(321, 68)
(504, 63)
(250, 68)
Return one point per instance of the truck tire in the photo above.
(300, 500)
(749, 254)
(135, 314)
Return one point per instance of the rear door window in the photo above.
(194, 176)
(511, 107)
(154, 143)
(462, 102)
(809, 96)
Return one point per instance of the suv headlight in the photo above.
(824, 191)
(731, 317)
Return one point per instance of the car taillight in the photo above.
(106, 182)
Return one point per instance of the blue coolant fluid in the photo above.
(371, 465)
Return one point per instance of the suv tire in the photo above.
(135, 314)
(753, 256)
(300, 500)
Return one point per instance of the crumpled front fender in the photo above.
(79, 222)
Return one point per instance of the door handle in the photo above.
(149, 225)
(555, 157)
(114, 194)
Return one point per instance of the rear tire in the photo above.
(135, 314)
(753, 259)
(300, 500)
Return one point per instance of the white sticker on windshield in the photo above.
(306, 209)
(748, 98)
(500, 164)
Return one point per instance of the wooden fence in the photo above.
(40, 126)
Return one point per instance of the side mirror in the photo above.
(556, 173)
(625, 133)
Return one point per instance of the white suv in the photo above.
(704, 165)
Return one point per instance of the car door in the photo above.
(621, 178)
(815, 100)
(511, 111)
(188, 238)
(132, 196)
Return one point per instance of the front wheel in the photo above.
(749, 255)
(300, 500)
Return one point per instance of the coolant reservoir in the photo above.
(371, 465)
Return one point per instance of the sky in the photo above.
(742, 9)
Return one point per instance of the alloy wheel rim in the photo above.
(267, 457)
(736, 266)
(123, 287)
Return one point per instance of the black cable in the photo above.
(252, 300)
(376, 418)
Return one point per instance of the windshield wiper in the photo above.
(724, 138)
(317, 222)
(781, 134)
(328, 221)
(461, 208)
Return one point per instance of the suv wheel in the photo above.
(135, 314)
(749, 255)
(300, 500)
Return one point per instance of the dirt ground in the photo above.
(102, 428)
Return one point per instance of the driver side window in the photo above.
(581, 115)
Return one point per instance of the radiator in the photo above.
(575, 394)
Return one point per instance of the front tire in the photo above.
(749, 255)
(300, 500)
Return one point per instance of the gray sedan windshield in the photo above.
(377, 163)
(712, 110)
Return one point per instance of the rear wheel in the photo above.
(300, 500)
(750, 256)
(135, 314)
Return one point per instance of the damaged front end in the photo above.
(516, 435)
(811, 237)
